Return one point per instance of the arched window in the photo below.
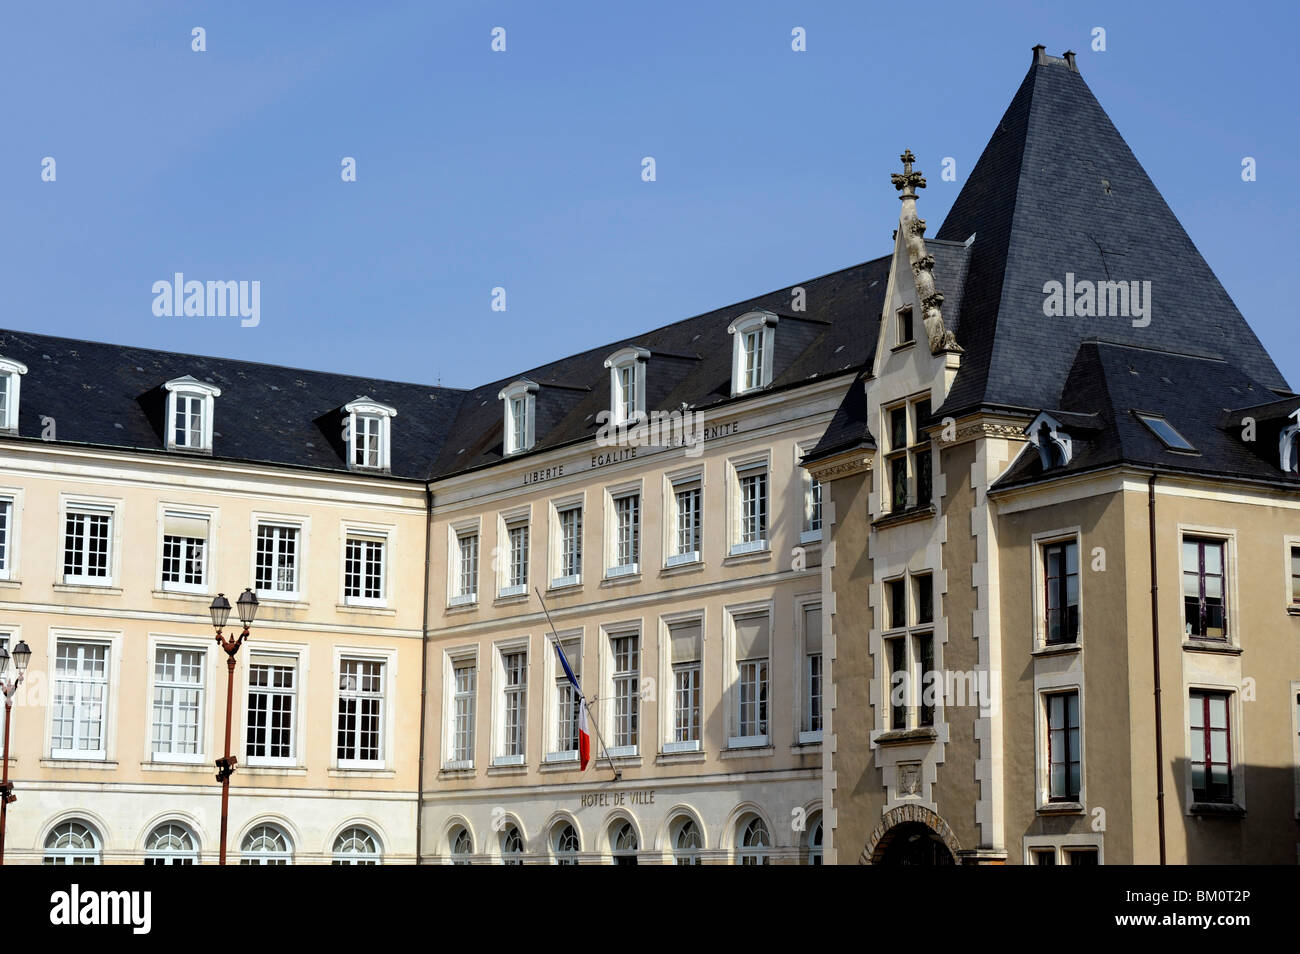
(171, 843)
(266, 845)
(815, 843)
(687, 843)
(357, 846)
(462, 846)
(625, 844)
(1288, 445)
(754, 843)
(566, 845)
(73, 843)
(512, 846)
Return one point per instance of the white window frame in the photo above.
(555, 681)
(11, 372)
(366, 534)
(1062, 845)
(456, 593)
(1046, 683)
(609, 686)
(668, 666)
(298, 653)
(508, 521)
(1228, 537)
(627, 408)
(206, 394)
(302, 525)
(613, 567)
(453, 659)
(674, 484)
(92, 506)
(739, 470)
(911, 631)
(187, 512)
(811, 500)
(112, 641)
(734, 675)
(1041, 541)
(500, 650)
(763, 324)
(11, 505)
(803, 676)
(524, 391)
(159, 643)
(557, 549)
(1236, 738)
(365, 407)
(388, 661)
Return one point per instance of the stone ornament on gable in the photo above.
(940, 338)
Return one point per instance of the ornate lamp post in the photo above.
(21, 657)
(220, 609)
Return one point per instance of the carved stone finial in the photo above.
(909, 181)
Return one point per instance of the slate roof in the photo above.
(1205, 399)
(1058, 190)
(111, 395)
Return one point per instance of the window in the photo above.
(87, 542)
(184, 552)
(687, 520)
(627, 384)
(276, 571)
(1064, 773)
(750, 488)
(812, 509)
(11, 373)
(178, 703)
(624, 844)
(754, 335)
(566, 845)
(752, 648)
(189, 414)
(357, 846)
(569, 520)
(1055, 447)
(515, 581)
(272, 707)
(367, 431)
(567, 703)
(1205, 601)
(512, 846)
(361, 713)
(905, 333)
(1042, 856)
(685, 641)
(80, 700)
(73, 843)
(6, 535)
(625, 654)
(1080, 856)
(462, 846)
(908, 459)
(171, 843)
(520, 400)
(266, 845)
(908, 644)
(815, 843)
(687, 843)
(514, 707)
(755, 843)
(465, 563)
(627, 535)
(1166, 432)
(1070, 854)
(464, 694)
(811, 729)
(363, 570)
(1061, 589)
(1210, 748)
(1295, 574)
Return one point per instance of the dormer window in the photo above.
(520, 409)
(11, 373)
(627, 384)
(1288, 445)
(189, 414)
(751, 365)
(367, 432)
(1055, 449)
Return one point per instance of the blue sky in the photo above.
(522, 169)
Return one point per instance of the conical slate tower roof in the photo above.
(1056, 191)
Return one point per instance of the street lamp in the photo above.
(21, 657)
(220, 609)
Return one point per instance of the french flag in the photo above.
(584, 737)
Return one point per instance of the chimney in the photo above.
(1069, 58)
(1040, 58)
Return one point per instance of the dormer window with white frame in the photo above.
(1288, 445)
(627, 384)
(11, 373)
(521, 415)
(367, 432)
(755, 339)
(189, 414)
(1055, 449)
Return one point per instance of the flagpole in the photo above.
(618, 774)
